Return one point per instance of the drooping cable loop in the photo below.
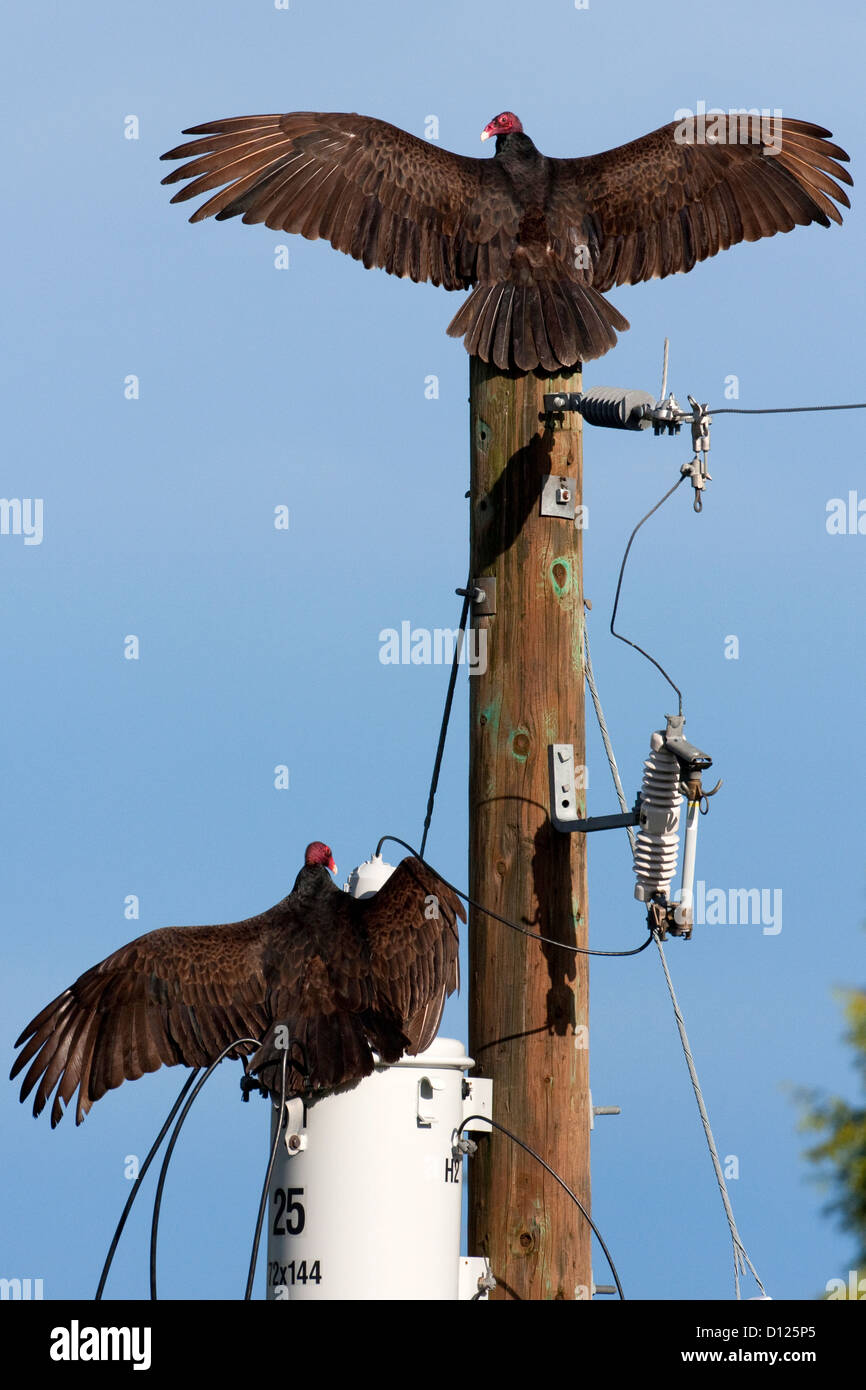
(506, 921)
(619, 635)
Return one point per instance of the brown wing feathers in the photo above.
(372, 190)
(656, 206)
(169, 997)
(411, 925)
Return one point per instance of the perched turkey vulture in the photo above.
(539, 238)
(347, 975)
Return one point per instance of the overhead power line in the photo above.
(784, 409)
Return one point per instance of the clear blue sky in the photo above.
(305, 387)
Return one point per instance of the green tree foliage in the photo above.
(841, 1154)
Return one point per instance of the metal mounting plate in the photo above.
(563, 791)
(557, 496)
(478, 1101)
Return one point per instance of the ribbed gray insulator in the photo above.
(615, 408)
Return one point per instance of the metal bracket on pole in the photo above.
(294, 1139)
(563, 797)
(477, 1101)
(601, 1110)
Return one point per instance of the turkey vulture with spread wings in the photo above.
(347, 975)
(539, 239)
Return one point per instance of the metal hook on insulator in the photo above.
(696, 469)
(705, 798)
(693, 790)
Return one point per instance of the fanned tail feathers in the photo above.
(549, 324)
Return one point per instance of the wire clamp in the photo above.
(463, 1145)
(667, 415)
(697, 468)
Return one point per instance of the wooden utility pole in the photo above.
(528, 1003)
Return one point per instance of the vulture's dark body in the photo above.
(528, 173)
(543, 312)
(347, 976)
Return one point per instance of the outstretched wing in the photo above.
(372, 190)
(662, 203)
(176, 995)
(411, 925)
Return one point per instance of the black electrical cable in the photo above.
(564, 1185)
(446, 715)
(681, 479)
(488, 912)
(264, 1199)
(784, 409)
(157, 1202)
(139, 1180)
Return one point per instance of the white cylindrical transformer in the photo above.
(368, 1204)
